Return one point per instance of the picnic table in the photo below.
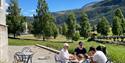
(25, 56)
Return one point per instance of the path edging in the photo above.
(48, 48)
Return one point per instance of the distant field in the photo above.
(116, 52)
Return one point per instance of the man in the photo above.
(97, 56)
(80, 49)
(101, 48)
(64, 54)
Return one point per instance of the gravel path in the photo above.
(40, 56)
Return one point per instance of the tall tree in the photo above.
(30, 27)
(120, 15)
(78, 26)
(103, 26)
(48, 24)
(44, 20)
(14, 20)
(55, 30)
(116, 27)
(64, 29)
(60, 29)
(76, 36)
(37, 30)
(39, 19)
(85, 26)
(123, 25)
(71, 25)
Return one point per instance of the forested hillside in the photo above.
(94, 10)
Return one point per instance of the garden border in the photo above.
(48, 48)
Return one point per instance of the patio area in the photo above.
(40, 55)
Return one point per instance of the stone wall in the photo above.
(3, 34)
(3, 44)
(2, 17)
(2, 13)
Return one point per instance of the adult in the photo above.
(64, 55)
(80, 49)
(102, 48)
(97, 56)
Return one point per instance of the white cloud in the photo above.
(32, 10)
(6, 4)
(28, 12)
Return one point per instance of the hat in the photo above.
(66, 44)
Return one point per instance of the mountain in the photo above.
(94, 10)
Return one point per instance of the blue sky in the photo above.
(28, 6)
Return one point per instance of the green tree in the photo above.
(103, 26)
(123, 25)
(37, 30)
(116, 27)
(76, 36)
(44, 20)
(71, 25)
(55, 30)
(41, 19)
(85, 26)
(94, 28)
(64, 29)
(78, 26)
(14, 19)
(120, 15)
(48, 28)
(60, 29)
(30, 27)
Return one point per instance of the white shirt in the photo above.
(64, 55)
(81, 61)
(99, 57)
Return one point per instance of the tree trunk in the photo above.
(14, 35)
(54, 37)
(43, 38)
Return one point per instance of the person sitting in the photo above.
(80, 49)
(97, 56)
(102, 48)
(64, 55)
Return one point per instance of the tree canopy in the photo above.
(85, 26)
(103, 26)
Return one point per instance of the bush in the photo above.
(76, 36)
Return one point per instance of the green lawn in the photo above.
(116, 52)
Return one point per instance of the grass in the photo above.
(116, 52)
(29, 36)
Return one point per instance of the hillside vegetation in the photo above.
(94, 10)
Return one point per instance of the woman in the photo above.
(80, 49)
(64, 54)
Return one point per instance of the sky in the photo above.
(28, 7)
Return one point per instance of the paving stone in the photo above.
(40, 55)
